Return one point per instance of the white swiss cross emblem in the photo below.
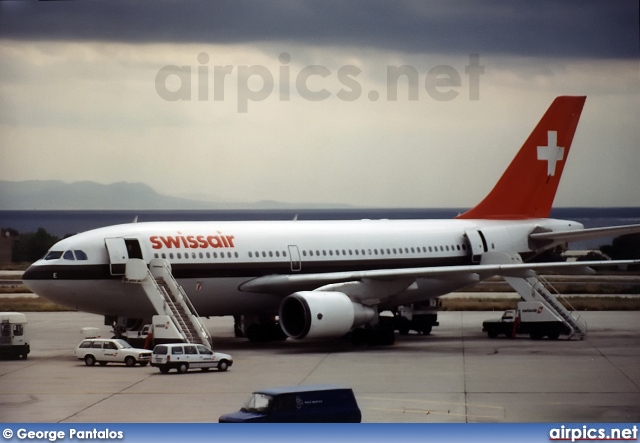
(552, 153)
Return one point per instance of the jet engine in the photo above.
(314, 314)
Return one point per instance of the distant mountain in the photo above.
(58, 195)
(87, 195)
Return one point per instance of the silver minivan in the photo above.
(185, 356)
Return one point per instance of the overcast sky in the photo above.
(294, 100)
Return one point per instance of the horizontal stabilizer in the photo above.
(584, 234)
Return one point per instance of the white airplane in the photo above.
(327, 278)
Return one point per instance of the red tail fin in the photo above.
(528, 186)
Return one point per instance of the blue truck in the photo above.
(298, 404)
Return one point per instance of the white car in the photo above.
(115, 350)
(185, 356)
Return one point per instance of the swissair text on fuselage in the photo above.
(192, 241)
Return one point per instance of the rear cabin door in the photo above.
(477, 243)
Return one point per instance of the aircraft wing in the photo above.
(584, 234)
(287, 283)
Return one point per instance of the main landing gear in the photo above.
(382, 334)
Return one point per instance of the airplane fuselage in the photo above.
(215, 261)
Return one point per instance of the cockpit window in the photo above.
(53, 255)
(68, 255)
(80, 255)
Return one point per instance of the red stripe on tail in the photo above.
(528, 186)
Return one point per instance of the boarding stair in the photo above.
(533, 287)
(537, 288)
(168, 298)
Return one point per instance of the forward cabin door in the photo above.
(120, 250)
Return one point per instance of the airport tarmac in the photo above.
(455, 375)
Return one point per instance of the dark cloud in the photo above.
(553, 28)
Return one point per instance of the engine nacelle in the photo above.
(315, 314)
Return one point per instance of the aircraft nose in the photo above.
(29, 274)
(38, 280)
(33, 275)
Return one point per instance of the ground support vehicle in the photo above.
(298, 404)
(111, 350)
(185, 356)
(419, 317)
(14, 339)
(531, 317)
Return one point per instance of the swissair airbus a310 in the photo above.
(329, 278)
